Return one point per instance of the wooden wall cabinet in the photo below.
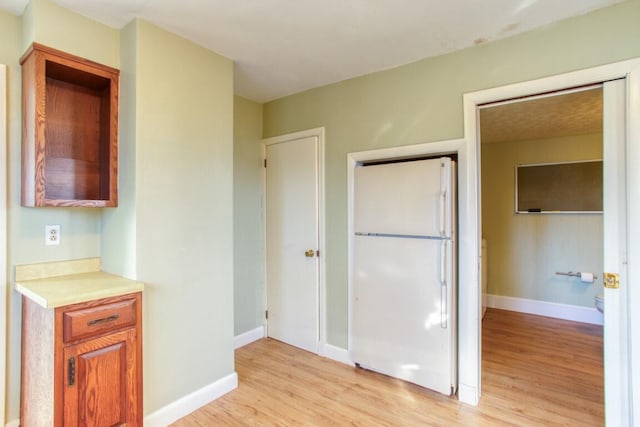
(82, 363)
(70, 130)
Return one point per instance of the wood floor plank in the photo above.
(536, 371)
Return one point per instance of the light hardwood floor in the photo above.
(535, 371)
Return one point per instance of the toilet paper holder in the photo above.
(573, 274)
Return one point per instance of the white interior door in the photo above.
(633, 233)
(616, 327)
(3, 234)
(292, 242)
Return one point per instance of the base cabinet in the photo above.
(93, 370)
(98, 391)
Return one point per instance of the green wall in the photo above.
(118, 231)
(11, 36)
(174, 226)
(422, 102)
(178, 209)
(525, 251)
(80, 228)
(176, 169)
(47, 23)
(248, 253)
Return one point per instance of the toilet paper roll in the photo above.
(586, 277)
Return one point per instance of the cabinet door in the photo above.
(100, 387)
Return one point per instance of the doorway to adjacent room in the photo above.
(620, 225)
(542, 219)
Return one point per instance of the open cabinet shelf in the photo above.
(70, 130)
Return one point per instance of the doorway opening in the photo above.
(529, 252)
(621, 226)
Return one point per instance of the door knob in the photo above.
(310, 253)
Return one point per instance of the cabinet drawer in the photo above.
(95, 320)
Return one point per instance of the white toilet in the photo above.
(599, 301)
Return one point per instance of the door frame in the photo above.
(622, 401)
(321, 306)
(3, 238)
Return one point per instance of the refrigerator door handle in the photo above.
(445, 172)
(443, 261)
(443, 309)
(443, 284)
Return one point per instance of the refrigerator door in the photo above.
(408, 198)
(403, 312)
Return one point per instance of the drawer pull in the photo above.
(103, 320)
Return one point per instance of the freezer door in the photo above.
(403, 310)
(408, 198)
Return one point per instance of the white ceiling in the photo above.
(282, 47)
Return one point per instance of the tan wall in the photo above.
(525, 250)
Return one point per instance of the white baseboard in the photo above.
(575, 313)
(468, 394)
(183, 406)
(338, 354)
(189, 403)
(248, 337)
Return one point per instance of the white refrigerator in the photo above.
(404, 272)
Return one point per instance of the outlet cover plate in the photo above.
(51, 235)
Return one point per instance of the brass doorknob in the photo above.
(310, 253)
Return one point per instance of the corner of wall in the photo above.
(28, 27)
(248, 228)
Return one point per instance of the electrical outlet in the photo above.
(51, 235)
